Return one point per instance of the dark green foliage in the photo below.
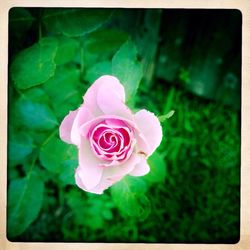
(204, 58)
(20, 19)
(129, 196)
(192, 192)
(67, 49)
(61, 153)
(67, 171)
(25, 197)
(41, 56)
(65, 89)
(105, 41)
(74, 22)
(125, 61)
(97, 70)
(35, 115)
(20, 146)
(158, 169)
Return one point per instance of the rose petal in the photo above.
(110, 102)
(115, 123)
(110, 175)
(89, 171)
(126, 167)
(115, 89)
(84, 129)
(83, 116)
(142, 144)
(103, 185)
(66, 126)
(150, 128)
(142, 168)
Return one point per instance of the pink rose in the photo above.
(112, 141)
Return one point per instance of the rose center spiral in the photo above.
(111, 140)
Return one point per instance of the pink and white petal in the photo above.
(66, 126)
(116, 123)
(142, 168)
(86, 126)
(150, 127)
(110, 102)
(142, 146)
(103, 185)
(114, 88)
(82, 117)
(79, 182)
(123, 169)
(89, 171)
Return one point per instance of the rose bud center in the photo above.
(111, 140)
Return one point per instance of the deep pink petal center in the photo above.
(111, 140)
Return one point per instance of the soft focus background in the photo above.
(188, 61)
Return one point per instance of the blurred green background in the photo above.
(184, 60)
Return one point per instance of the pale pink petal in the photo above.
(103, 185)
(83, 116)
(66, 126)
(142, 168)
(116, 123)
(86, 126)
(113, 174)
(89, 171)
(113, 85)
(142, 146)
(123, 169)
(79, 181)
(110, 102)
(150, 128)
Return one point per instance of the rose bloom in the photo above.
(112, 141)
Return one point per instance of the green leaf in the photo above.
(127, 68)
(163, 118)
(101, 45)
(54, 154)
(67, 49)
(97, 70)
(35, 95)
(25, 196)
(129, 196)
(158, 169)
(75, 22)
(89, 210)
(105, 41)
(67, 176)
(67, 80)
(20, 145)
(34, 65)
(107, 214)
(20, 20)
(35, 115)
